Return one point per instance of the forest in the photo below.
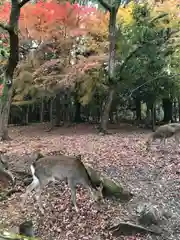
(94, 82)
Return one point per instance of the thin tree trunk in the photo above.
(51, 120)
(153, 116)
(167, 108)
(148, 119)
(6, 97)
(42, 110)
(77, 117)
(175, 110)
(106, 110)
(178, 103)
(111, 69)
(27, 115)
(77, 106)
(51, 112)
(138, 109)
(5, 104)
(58, 109)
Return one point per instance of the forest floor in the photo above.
(151, 176)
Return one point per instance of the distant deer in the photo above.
(164, 132)
(60, 167)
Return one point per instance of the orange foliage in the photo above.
(97, 25)
(51, 20)
(171, 7)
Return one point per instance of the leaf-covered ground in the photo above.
(152, 177)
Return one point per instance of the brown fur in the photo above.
(164, 132)
(61, 167)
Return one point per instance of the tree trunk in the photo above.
(51, 111)
(111, 116)
(42, 110)
(77, 117)
(58, 110)
(138, 109)
(77, 105)
(167, 107)
(179, 108)
(106, 110)
(7, 84)
(5, 104)
(153, 116)
(175, 110)
(148, 115)
(111, 69)
(27, 115)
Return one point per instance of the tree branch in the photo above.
(162, 15)
(131, 54)
(105, 5)
(151, 80)
(23, 2)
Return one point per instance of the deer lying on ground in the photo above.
(5, 175)
(60, 167)
(164, 132)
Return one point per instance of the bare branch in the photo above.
(23, 2)
(131, 54)
(5, 27)
(162, 15)
(151, 80)
(105, 5)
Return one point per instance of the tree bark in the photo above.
(175, 110)
(138, 109)
(106, 110)
(77, 117)
(6, 97)
(153, 116)
(111, 69)
(58, 110)
(167, 107)
(51, 111)
(5, 104)
(27, 115)
(179, 109)
(77, 105)
(42, 110)
(148, 119)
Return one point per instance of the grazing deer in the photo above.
(5, 175)
(60, 167)
(164, 132)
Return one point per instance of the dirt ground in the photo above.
(151, 176)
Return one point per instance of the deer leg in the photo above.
(148, 144)
(176, 137)
(35, 183)
(73, 193)
(162, 142)
(38, 199)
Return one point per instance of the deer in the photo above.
(52, 168)
(164, 132)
